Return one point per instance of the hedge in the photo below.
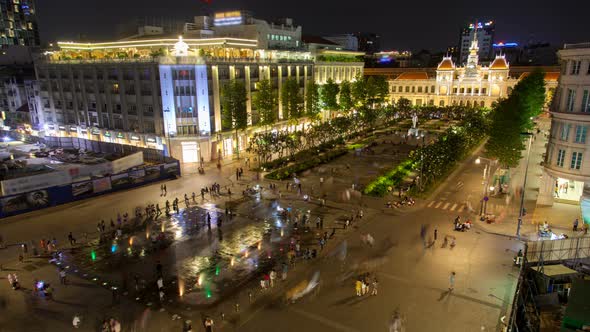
(287, 172)
(379, 187)
(305, 154)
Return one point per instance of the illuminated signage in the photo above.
(120, 135)
(501, 44)
(62, 128)
(107, 134)
(135, 137)
(95, 132)
(73, 129)
(151, 140)
(228, 18)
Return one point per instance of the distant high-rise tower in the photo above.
(18, 23)
(485, 35)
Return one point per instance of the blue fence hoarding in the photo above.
(57, 195)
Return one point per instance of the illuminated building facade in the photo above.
(469, 85)
(164, 93)
(566, 176)
(484, 32)
(18, 23)
(280, 34)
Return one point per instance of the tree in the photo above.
(513, 116)
(312, 100)
(359, 92)
(329, 95)
(377, 90)
(265, 102)
(291, 99)
(234, 114)
(403, 105)
(345, 98)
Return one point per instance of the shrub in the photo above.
(287, 172)
(379, 187)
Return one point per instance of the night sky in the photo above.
(414, 25)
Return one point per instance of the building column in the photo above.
(216, 99)
(248, 94)
(280, 84)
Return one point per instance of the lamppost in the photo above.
(526, 171)
(486, 174)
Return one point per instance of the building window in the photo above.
(407, 89)
(432, 89)
(483, 90)
(581, 134)
(419, 89)
(571, 97)
(413, 89)
(147, 108)
(585, 102)
(441, 103)
(462, 90)
(454, 90)
(560, 157)
(468, 90)
(576, 67)
(565, 132)
(576, 160)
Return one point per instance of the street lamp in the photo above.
(486, 174)
(526, 172)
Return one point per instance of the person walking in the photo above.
(165, 190)
(375, 284)
(62, 276)
(71, 239)
(358, 287)
(435, 234)
(452, 281)
(576, 225)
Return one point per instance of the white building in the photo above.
(566, 176)
(282, 34)
(484, 32)
(165, 93)
(471, 84)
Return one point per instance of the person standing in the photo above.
(358, 287)
(62, 276)
(452, 281)
(273, 277)
(576, 225)
(375, 284)
(165, 190)
(435, 234)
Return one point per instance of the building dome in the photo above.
(446, 64)
(499, 63)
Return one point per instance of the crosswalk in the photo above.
(460, 207)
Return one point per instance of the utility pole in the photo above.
(521, 210)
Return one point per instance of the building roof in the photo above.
(499, 63)
(556, 270)
(317, 40)
(552, 76)
(446, 64)
(413, 76)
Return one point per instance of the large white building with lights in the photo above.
(164, 93)
(471, 84)
(566, 176)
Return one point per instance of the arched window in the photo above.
(482, 104)
(441, 103)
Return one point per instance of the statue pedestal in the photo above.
(413, 132)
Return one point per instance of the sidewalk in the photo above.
(559, 216)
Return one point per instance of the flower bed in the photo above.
(379, 187)
(287, 172)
